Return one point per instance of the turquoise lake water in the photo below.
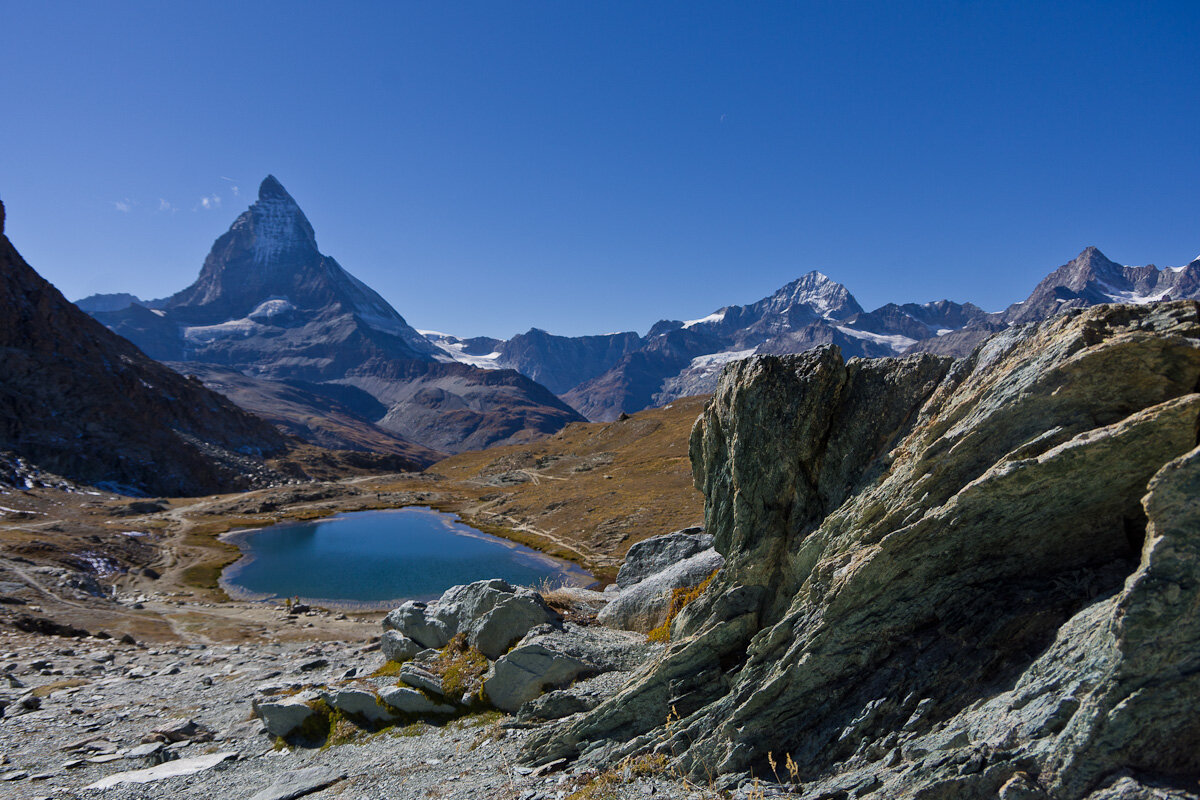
(374, 558)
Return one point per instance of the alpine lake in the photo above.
(375, 559)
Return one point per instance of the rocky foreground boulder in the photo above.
(654, 569)
(969, 579)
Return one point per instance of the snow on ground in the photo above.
(453, 348)
(715, 360)
(1122, 296)
(203, 334)
(716, 316)
(894, 341)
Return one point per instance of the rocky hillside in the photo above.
(943, 580)
(269, 304)
(82, 402)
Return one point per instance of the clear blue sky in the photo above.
(586, 167)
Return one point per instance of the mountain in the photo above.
(605, 376)
(680, 359)
(80, 401)
(1092, 279)
(270, 305)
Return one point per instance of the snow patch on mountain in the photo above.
(1131, 297)
(716, 316)
(897, 342)
(203, 334)
(271, 309)
(453, 349)
(718, 360)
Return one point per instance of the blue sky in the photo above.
(592, 167)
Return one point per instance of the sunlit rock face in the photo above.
(960, 579)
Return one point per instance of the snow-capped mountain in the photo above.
(270, 305)
(1092, 279)
(604, 376)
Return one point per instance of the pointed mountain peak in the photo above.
(1092, 257)
(271, 187)
(278, 225)
(826, 297)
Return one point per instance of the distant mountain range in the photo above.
(605, 376)
(285, 319)
(268, 306)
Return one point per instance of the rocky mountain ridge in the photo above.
(605, 376)
(79, 401)
(270, 305)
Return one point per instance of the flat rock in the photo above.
(410, 701)
(170, 769)
(299, 783)
(359, 703)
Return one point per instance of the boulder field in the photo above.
(943, 579)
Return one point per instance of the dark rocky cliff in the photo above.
(80, 401)
(968, 581)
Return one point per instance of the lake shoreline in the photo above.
(557, 571)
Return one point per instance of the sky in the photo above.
(591, 167)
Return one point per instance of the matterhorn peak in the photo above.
(278, 224)
(271, 187)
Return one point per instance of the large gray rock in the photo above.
(358, 703)
(529, 669)
(285, 716)
(645, 605)
(395, 646)
(964, 582)
(492, 614)
(410, 701)
(653, 555)
(552, 657)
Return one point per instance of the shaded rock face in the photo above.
(80, 401)
(562, 362)
(270, 305)
(964, 582)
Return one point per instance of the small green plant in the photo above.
(460, 666)
(389, 669)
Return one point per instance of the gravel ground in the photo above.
(97, 700)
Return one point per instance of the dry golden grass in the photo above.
(587, 493)
(679, 599)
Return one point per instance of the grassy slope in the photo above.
(592, 488)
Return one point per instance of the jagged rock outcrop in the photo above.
(82, 402)
(969, 581)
